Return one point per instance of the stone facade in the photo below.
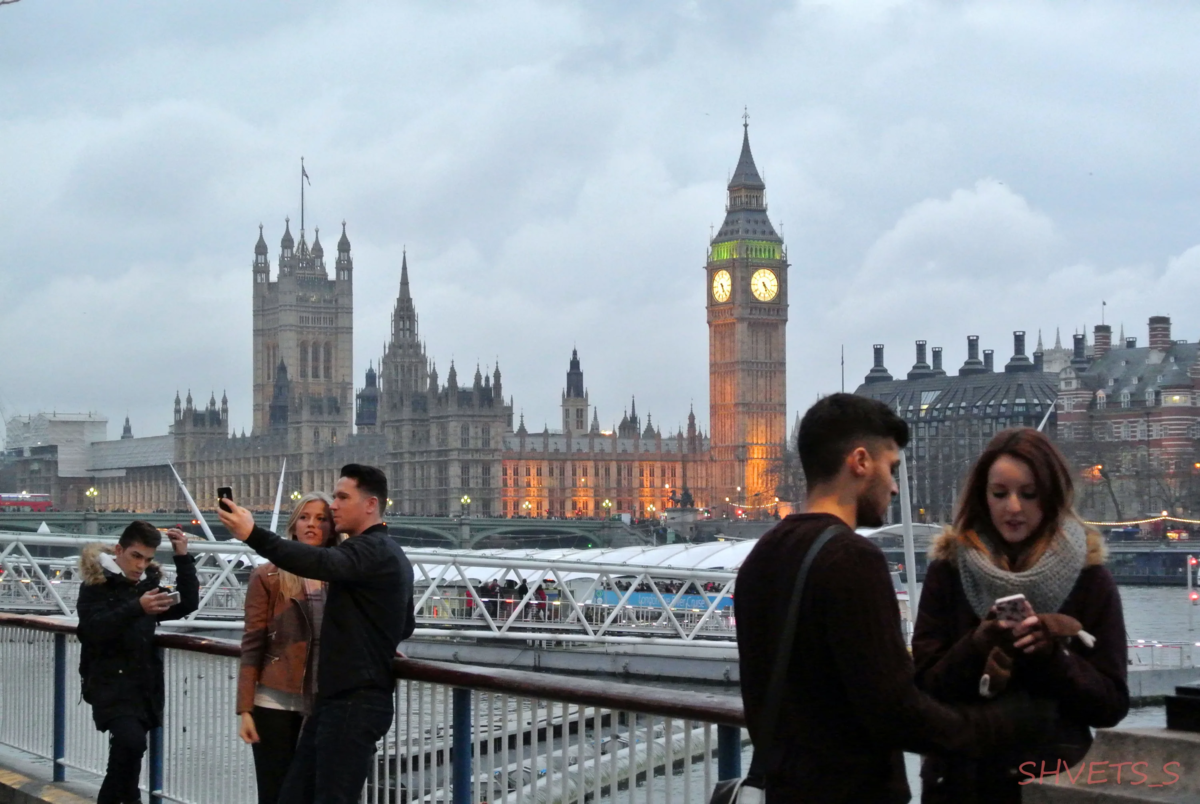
(1130, 421)
(951, 418)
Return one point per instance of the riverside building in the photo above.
(452, 447)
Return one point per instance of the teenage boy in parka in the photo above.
(120, 603)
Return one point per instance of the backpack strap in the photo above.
(783, 658)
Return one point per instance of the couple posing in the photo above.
(854, 699)
(323, 621)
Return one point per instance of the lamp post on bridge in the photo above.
(466, 504)
(92, 494)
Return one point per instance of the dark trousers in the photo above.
(278, 732)
(126, 745)
(336, 745)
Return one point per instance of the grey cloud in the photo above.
(553, 168)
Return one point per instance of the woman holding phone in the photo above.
(1015, 533)
(277, 678)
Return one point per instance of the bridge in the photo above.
(457, 531)
(633, 594)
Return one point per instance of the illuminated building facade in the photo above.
(747, 321)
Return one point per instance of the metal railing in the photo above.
(461, 734)
(1155, 655)
(582, 602)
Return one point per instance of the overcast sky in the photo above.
(937, 169)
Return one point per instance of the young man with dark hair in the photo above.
(120, 603)
(368, 612)
(850, 705)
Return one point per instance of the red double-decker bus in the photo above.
(23, 502)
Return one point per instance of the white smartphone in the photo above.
(1013, 608)
(174, 598)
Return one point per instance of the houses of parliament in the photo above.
(449, 444)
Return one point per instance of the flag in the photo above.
(304, 174)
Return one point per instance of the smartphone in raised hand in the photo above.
(225, 493)
(1012, 609)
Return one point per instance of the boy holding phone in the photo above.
(120, 603)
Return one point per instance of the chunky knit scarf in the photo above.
(1045, 584)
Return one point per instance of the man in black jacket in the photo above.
(120, 603)
(368, 612)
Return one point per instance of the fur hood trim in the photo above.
(947, 543)
(93, 571)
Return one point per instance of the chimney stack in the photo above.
(878, 373)
(937, 362)
(1101, 340)
(920, 369)
(1039, 361)
(973, 364)
(1079, 360)
(1131, 343)
(1160, 332)
(988, 362)
(1020, 361)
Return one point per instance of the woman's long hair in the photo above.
(1055, 491)
(292, 586)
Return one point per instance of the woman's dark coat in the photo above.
(120, 671)
(1089, 684)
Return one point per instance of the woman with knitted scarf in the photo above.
(1015, 532)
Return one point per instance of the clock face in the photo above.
(722, 285)
(764, 285)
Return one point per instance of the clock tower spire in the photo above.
(747, 307)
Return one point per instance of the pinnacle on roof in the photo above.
(317, 250)
(343, 241)
(287, 242)
(404, 292)
(746, 173)
(1058, 338)
(261, 246)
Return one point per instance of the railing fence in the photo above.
(460, 735)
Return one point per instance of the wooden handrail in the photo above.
(706, 707)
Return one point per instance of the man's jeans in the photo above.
(336, 745)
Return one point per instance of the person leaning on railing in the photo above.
(1016, 533)
(280, 649)
(120, 603)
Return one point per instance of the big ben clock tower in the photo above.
(746, 279)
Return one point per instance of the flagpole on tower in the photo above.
(303, 176)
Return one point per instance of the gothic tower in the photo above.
(575, 400)
(747, 305)
(304, 321)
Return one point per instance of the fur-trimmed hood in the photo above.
(95, 556)
(947, 543)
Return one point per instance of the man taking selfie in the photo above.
(120, 603)
(849, 705)
(368, 612)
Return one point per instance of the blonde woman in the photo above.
(277, 679)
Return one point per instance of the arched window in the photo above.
(316, 361)
(465, 436)
(316, 436)
(1101, 400)
(1124, 399)
(486, 437)
(303, 361)
(328, 360)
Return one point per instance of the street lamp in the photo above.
(466, 504)
(607, 505)
(296, 495)
(525, 506)
(92, 494)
